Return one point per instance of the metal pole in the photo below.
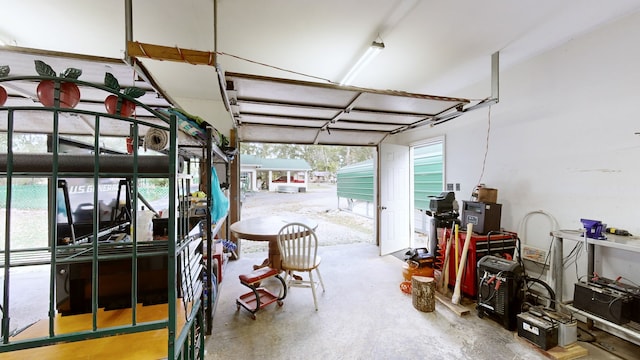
(96, 228)
(173, 238)
(495, 76)
(7, 238)
(53, 216)
(128, 24)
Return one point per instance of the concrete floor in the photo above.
(362, 315)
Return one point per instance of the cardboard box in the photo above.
(487, 195)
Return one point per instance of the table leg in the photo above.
(274, 255)
(591, 260)
(557, 268)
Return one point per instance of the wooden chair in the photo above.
(298, 245)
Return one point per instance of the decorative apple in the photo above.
(3, 96)
(113, 103)
(69, 91)
(69, 94)
(126, 108)
(4, 71)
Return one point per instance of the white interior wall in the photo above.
(562, 140)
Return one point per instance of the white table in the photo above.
(266, 228)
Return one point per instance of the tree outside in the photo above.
(320, 157)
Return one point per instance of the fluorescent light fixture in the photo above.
(371, 52)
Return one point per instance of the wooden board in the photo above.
(159, 52)
(142, 345)
(573, 351)
(456, 308)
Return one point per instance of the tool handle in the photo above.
(616, 231)
(463, 260)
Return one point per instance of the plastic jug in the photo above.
(144, 226)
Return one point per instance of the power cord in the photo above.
(552, 295)
(486, 150)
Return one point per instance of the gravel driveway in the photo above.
(320, 203)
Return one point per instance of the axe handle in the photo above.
(463, 261)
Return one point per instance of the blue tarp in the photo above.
(220, 203)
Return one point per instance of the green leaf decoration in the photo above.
(111, 82)
(134, 92)
(72, 73)
(43, 69)
(4, 70)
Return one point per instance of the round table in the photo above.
(266, 228)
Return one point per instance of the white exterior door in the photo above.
(394, 207)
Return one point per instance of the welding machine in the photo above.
(500, 290)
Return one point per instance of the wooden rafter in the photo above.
(159, 52)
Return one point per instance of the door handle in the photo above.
(383, 208)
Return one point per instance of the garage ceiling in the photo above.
(264, 109)
(431, 47)
(271, 110)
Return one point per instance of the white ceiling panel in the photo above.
(346, 137)
(245, 120)
(249, 107)
(343, 107)
(272, 134)
(431, 47)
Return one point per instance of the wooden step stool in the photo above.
(259, 297)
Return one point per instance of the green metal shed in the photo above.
(355, 181)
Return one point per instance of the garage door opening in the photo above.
(301, 180)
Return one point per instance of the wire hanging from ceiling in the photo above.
(275, 67)
(486, 150)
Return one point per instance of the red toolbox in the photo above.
(219, 259)
(502, 245)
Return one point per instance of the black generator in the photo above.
(500, 290)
